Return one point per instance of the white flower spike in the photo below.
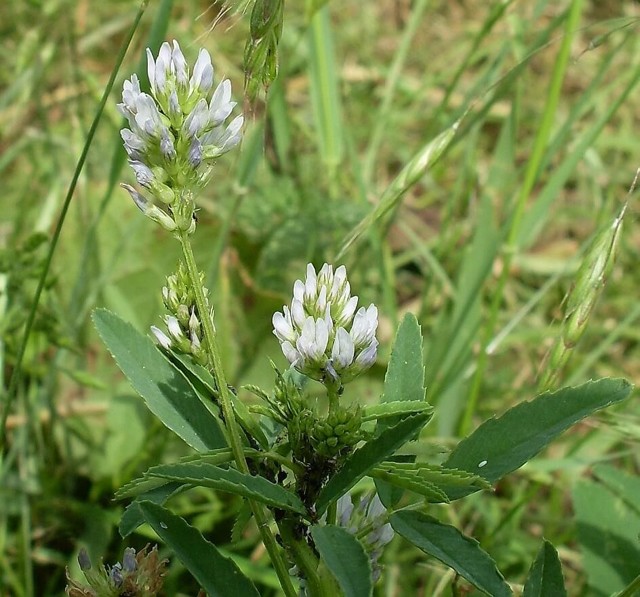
(177, 131)
(321, 334)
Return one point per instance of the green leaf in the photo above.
(394, 410)
(232, 481)
(219, 576)
(205, 385)
(138, 486)
(325, 93)
(165, 391)
(404, 480)
(607, 522)
(366, 457)
(623, 486)
(346, 558)
(132, 517)
(404, 380)
(501, 445)
(403, 388)
(545, 577)
(454, 549)
(432, 481)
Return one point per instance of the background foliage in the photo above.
(482, 248)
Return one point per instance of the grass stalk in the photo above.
(16, 376)
(530, 176)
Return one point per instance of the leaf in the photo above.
(346, 558)
(219, 576)
(132, 517)
(607, 528)
(403, 480)
(404, 380)
(138, 486)
(394, 410)
(429, 480)
(165, 391)
(454, 549)
(232, 481)
(325, 93)
(545, 577)
(205, 385)
(501, 445)
(623, 486)
(366, 457)
(403, 388)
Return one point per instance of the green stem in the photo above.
(531, 173)
(233, 431)
(333, 393)
(318, 585)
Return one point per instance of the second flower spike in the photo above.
(322, 334)
(176, 132)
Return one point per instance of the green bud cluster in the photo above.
(183, 322)
(335, 435)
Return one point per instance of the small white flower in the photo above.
(173, 325)
(343, 350)
(202, 77)
(162, 339)
(221, 105)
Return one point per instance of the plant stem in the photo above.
(233, 432)
(318, 585)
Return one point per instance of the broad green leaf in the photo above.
(454, 549)
(607, 527)
(346, 558)
(165, 391)
(501, 445)
(545, 577)
(219, 576)
(404, 380)
(132, 517)
(365, 458)
(232, 481)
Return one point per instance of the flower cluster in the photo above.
(175, 133)
(138, 574)
(183, 322)
(369, 513)
(321, 334)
